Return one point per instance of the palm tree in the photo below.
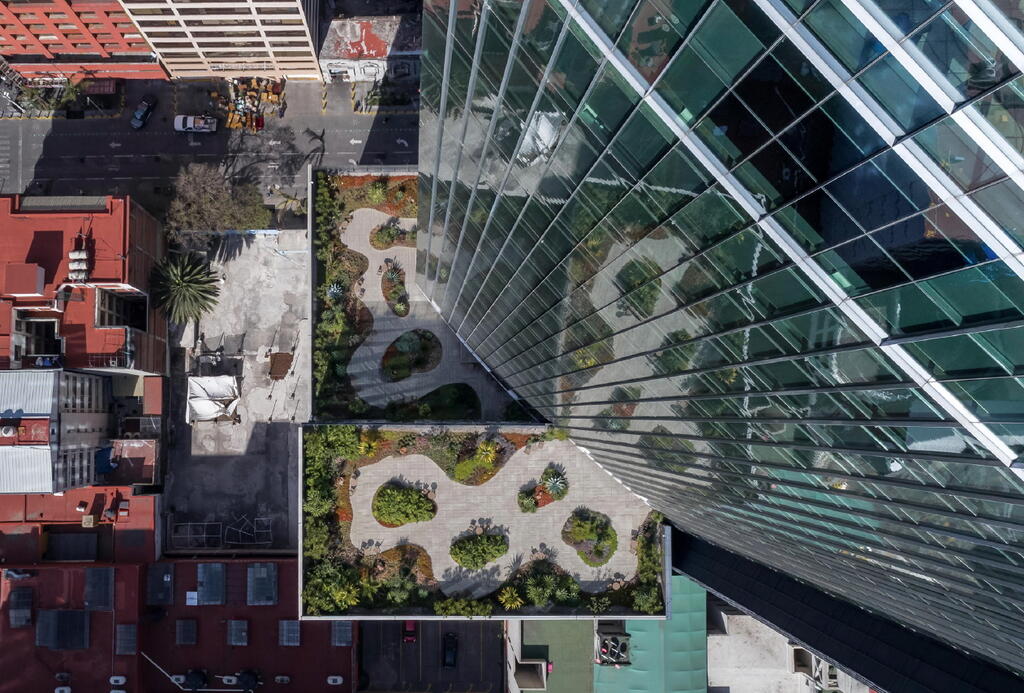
(184, 287)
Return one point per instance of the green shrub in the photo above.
(400, 505)
(647, 600)
(477, 550)
(377, 192)
(540, 589)
(527, 503)
(592, 535)
(316, 537)
(330, 588)
(510, 599)
(482, 459)
(555, 482)
(567, 592)
(320, 500)
(463, 607)
(599, 604)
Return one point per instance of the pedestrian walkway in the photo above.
(457, 364)
(460, 508)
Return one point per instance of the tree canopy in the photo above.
(204, 200)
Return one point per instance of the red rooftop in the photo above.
(74, 281)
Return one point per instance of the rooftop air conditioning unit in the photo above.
(335, 680)
(7, 431)
(115, 680)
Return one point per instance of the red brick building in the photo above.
(55, 39)
(74, 281)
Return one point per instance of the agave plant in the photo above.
(393, 275)
(335, 291)
(184, 287)
(557, 485)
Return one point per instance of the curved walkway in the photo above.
(457, 364)
(460, 507)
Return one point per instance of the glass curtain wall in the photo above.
(762, 258)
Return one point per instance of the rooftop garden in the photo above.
(381, 534)
(343, 322)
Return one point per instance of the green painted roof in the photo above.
(667, 656)
(569, 646)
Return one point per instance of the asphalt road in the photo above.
(106, 156)
(388, 664)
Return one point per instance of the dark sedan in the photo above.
(143, 111)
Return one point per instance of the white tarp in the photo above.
(211, 397)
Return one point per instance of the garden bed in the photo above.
(394, 505)
(394, 195)
(416, 351)
(342, 322)
(392, 285)
(553, 487)
(391, 235)
(592, 535)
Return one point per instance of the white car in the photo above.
(187, 123)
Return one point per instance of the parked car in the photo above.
(142, 112)
(409, 631)
(451, 651)
(188, 123)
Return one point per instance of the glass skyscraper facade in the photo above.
(762, 258)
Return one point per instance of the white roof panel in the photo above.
(26, 469)
(27, 393)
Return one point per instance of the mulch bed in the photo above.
(541, 495)
(352, 189)
(386, 286)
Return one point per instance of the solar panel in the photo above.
(238, 633)
(210, 578)
(19, 609)
(262, 584)
(288, 633)
(341, 633)
(125, 639)
(160, 584)
(185, 631)
(99, 589)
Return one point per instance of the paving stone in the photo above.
(461, 507)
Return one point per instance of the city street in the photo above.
(106, 156)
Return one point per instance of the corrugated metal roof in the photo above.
(261, 589)
(126, 639)
(99, 589)
(159, 584)
(341, 633)
(26, 469)
(210, 583)
(28, 393)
